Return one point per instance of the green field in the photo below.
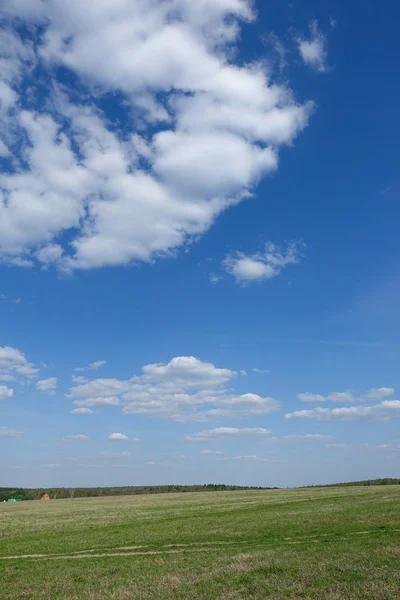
(325, 543)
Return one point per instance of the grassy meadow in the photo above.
(322, 543)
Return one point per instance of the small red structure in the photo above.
(44, 496)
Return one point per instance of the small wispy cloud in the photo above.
(307, 437)
(5, 432)
(309, 397)
(10, 299)
(118, 437)
(74, 437)
(93, 366)
(273, 42)
(47, 386)
(348, 396)
(253, 268)
(82, 411)
(338, 446)
(259, 459)
(390, 446)
(215, 278)
(6, 392)
(388, 410)
(226, 433)
(112, 455)
(314, 49)
(386, 190)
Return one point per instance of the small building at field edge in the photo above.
(44, 496)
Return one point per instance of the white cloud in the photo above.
(97, 364)
(259, 458)
(5, 392)
(127, 198)
(259, 267)
(49, 254)
(212, 452)
(4, 151)
(308, 397)
(388, 410)
(338, 446)
(185, 389)
(5, 432)
(279, 49)
(215, 278)
(79, 379)
(308, 437)
(348, 396)
(100, 388)
(112, 455)
(118, 437)
(52, 466)
(261, 371)
(342, 397)
(379, 393)
(13, 363)
(47, 386)
(226, 433)
(82, 411)
(314, 50)
(75, 436)
(391, 446)
(92, 367)
(186, 372)
(101, 401)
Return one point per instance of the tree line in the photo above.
(58, 493)
(364, 482)
(93, 492)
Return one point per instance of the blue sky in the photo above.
(199, 242)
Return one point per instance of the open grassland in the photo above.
(325, 543)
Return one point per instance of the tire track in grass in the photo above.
(103, 555)
(139, 550)
(181, 548)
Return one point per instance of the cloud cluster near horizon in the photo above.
(185, 389)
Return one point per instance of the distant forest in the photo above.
(386, 481)
(58, 493)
